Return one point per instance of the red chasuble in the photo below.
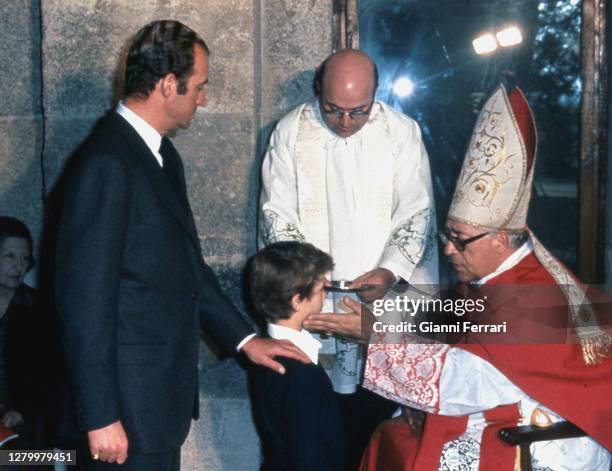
(554, 374)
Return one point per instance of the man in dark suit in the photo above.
(132, 289)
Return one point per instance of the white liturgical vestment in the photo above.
(366, 200)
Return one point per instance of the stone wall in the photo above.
(63, 59)
(20, 113)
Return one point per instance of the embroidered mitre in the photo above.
(494, 186)
(494, 189)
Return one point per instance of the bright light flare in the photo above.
(484, 44)
(510, 36)
(403, 87)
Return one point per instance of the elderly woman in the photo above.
(22, 335)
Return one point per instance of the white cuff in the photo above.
(244, 341)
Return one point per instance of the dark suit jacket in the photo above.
(132, 291)
(299, 419)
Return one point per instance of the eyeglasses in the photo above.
(353, 114)
(446, 237)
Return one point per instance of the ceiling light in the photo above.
(484, 44)
(403, 87)
(510, 36)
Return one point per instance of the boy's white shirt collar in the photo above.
(302, 339)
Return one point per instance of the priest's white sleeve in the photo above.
(278, 218)
(411, 243)
(408, 374)
(436, 378)
(470, 384)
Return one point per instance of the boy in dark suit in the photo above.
(300, 422)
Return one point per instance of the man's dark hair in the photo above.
(160, 48)
(13, 227)
(320, 75)
(282, 270)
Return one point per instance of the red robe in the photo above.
(554, 374)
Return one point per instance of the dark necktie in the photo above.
(171, 168)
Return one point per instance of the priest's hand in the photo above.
(109, 444)
(356, 324)
(375, 282)
(262, 352)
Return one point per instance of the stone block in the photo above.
(63, 136)
(21, 175)
(232, 278)
(296, 38)
(227, 26)
(224, 379)
(219, 153)
(239, 437)
(20, 58)
(85, 43)
(224, 438)
(202, 449)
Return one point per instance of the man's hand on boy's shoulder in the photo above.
(262, 352)
(356, 324)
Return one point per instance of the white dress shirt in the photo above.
(302, 339)
(148, 133)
